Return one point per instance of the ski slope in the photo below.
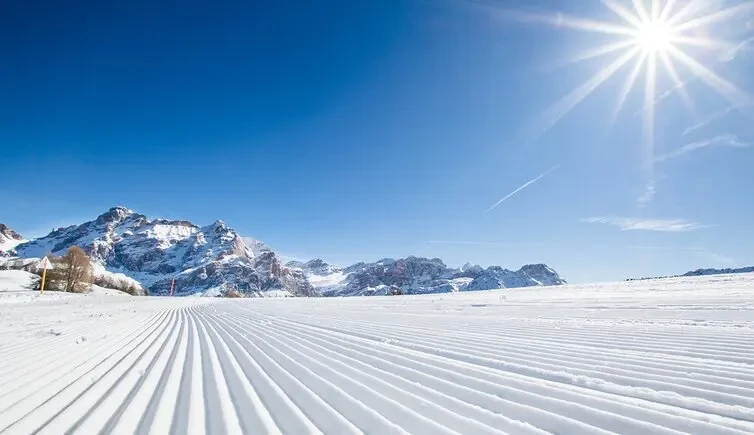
(647, 357)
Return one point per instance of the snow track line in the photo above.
(252, 414)
(319, 412)
(568, 360)
(741, 384)
(728, 394)
(113, 399)
(62, 397)
(165, 394)
(360, 415)
(445, 422)
(565, 375)
(605, 342)
(220, 417)
(511, 332)
(410, 420)
(255, 379)
(36, 361)
(81, 359)
(398, 361)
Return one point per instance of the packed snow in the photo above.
(17, 280)
(644, 357)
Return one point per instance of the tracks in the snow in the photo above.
(373, 365)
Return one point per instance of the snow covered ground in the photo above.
(643, 357)
(17, 280)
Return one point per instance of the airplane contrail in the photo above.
(522, 187)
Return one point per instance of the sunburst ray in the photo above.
(687, 11)
(600, 51)
(622, 12)
(716, 17)
(575, 23)
(641, 11)
(667, 9)
(682, 91)
(723, 87)
(651, 32)
(649, 120)
(627, 86)
(567, 103)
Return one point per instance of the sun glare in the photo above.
(655, 37)
(652, 36)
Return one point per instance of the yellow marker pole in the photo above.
(44, 276)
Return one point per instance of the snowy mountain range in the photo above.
(211, 260)
(215, 260)
(417, 275)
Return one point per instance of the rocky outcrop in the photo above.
(530, 275)
(418, 275)
(9, 239)
(210, 260)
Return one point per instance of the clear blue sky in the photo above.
(355, 130)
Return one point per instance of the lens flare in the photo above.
(655, 37)
(650, 39)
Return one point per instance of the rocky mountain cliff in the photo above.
(210, 260)
(215, 260)
(416, 275)
(9, 239)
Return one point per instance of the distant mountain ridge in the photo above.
(214, 260)
(417, 275)
(700, 272)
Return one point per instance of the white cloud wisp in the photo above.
(723, 140)
(642, 224)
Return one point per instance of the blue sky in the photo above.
(359, 130)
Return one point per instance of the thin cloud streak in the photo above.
(741, 47)
(648, 195)
(522, 187)
(714, 117)
(725, 140)
(642, 224)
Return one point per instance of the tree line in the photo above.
(73, 272)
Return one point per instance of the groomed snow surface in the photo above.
(645, 357)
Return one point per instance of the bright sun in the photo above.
(655, 36)
(651, 36)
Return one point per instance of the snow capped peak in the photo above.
(542, 274)
(114, 215)
(9, 239)
(209, 259)
(320, 267)
(214, 259)
(414, 275)
(8, 233)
